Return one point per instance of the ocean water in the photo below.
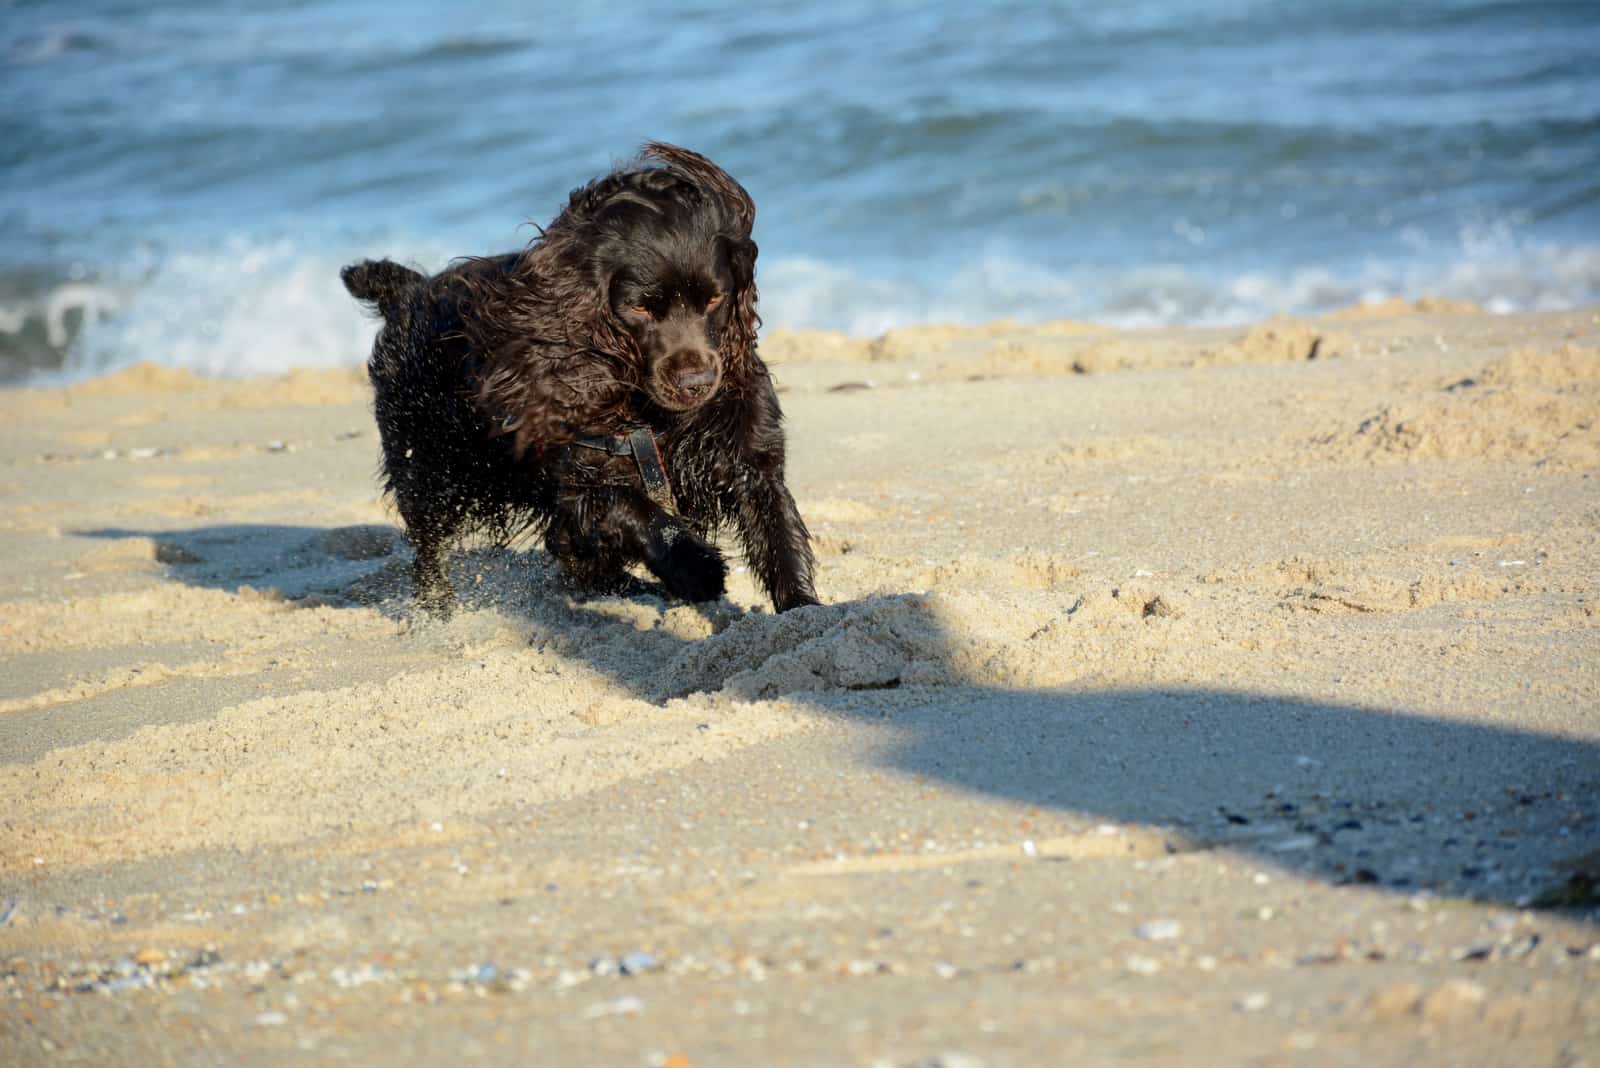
(180, 180)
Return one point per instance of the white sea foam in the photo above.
(241, 310)
(1502, 277)
(263, 307)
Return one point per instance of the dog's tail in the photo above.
(383, 284)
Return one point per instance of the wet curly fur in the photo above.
(635, 308)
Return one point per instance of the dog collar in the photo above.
(641, 445)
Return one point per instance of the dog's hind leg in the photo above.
(429, 534)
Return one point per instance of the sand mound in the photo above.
(1532, 406)
(298, 388)
(913, 341)
(1570, 365)
(142, 377)
(946, 638)
(784, 346)
(1278, 341)
(1395, 307)
(877, 644)
(996, 348)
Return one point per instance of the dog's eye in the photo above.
(713, 302)
(640, 309)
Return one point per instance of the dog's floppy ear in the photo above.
(550, 369)
(741, 252)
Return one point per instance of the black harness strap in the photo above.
(641, 445)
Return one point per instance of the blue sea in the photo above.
(180, 180)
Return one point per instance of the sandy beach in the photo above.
(1181, 696)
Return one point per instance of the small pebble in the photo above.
(1476, 951)
(1142, 965)
(1254, 1001)
(1158, 930)
(637, 963)
(1522, 947)
(271, 1019)
(132, 982)
(348, 977)
(628, 1005)
(1295, 844)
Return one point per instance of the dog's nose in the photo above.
(693, 383)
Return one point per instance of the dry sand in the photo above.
(1183, 696)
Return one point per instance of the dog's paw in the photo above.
(783, 602)
(432, 592)
(436, 603)
(692, 570)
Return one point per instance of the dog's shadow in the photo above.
(1341, 792)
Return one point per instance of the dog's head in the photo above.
(673, 267)
(641, 294)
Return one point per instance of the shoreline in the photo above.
(804, 342)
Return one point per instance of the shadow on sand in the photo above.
(1340, 792)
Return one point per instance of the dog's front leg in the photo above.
(598, 536)
(687, 565)
(776, 542)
